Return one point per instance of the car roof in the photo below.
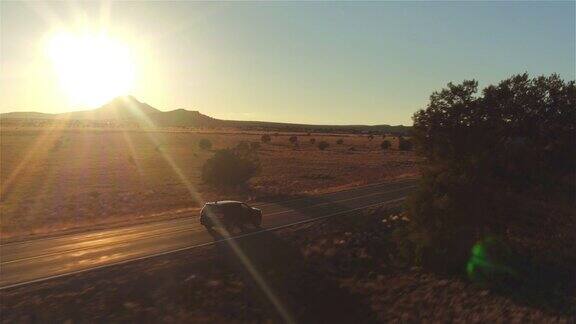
(224, 202)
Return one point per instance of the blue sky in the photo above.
(323, 63)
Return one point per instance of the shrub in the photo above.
(205, 144)
(404, 144)
(312, 140)
(243, 146)
(293, 139)
(229, 167)
(385, 145)
(340, 141)
(265, 138)
(370, 137)
(323, 145)
(254, 146)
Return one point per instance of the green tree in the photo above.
(254, 146)
(205, 144)
(483, 151)
(404, 144)
(265, 138)
(385, 145)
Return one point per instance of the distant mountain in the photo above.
(129, 109)
(184, 118)
(120, 108)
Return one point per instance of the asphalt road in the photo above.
(41, 259)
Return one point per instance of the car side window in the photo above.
(218, 210)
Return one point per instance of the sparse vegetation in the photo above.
(229, 168)
(58, 207)
(265, 138)
(243, 146)
(205, 144)
(340, 141)
(293, 140)
(254, 146)
(323, 145)
(312, 140)
(404, 144)
(385, 145)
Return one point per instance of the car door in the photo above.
(246, 212)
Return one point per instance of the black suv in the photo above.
(229, 214)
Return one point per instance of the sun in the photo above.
(91, 68)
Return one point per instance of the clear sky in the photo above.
(323, 63)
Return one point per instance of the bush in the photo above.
(293, 139)
(254, 146)
(323, 145)
(229, 167)
(385, 145)
(404, 144)
(265, 138)
(340, 141)
(487, 155)
(243, 146)
(312, 140)
(370, 137)
(205, 144)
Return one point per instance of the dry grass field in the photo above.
(62, 179)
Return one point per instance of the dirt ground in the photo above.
(58, 179)
(336, 271)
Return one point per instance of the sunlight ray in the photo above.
(130, 145)
(172, 164)
(246, 262)
(45, 140)
(253, 271)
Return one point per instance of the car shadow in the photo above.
(281, 280)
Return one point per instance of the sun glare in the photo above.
(91, 69)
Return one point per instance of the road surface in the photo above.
(42, 259)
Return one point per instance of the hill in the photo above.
(120, 108)
(27, 115)
(128, 109)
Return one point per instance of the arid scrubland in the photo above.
(56, 179)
